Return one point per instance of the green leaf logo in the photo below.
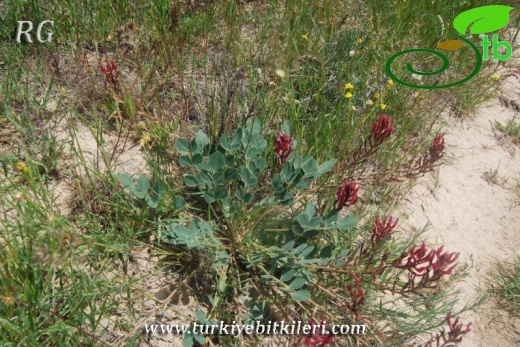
(484, 19)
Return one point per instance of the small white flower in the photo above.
(369, 102)
(352, 52)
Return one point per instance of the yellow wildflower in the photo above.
(22, 167)
(348, 95)
(305, 37)
(382, 106)
(390, 83)
(145, 139)
(349, 86)
(360, 40)
(495, 77)
(377, 95)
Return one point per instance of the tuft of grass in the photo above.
(511, 129)
(508, 282)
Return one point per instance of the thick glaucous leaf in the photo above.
(301, 185)
(310, 167)
(310, 209)
(331, 218)
(201, 139)
(190, 180)
(179, 202)
(205, 177)
(184, 161)
(158, 189)
(252, 152)
(326, 166)
(197, 161)
(254, 126)
(209, 196)
(231, 174)
(237, 137)
(285, 197)
(307, 251)
(288, 245)
(301, 295)
(326, 253)
(286, 171)
(143, 184)
(245, 175)
(126, 181)
(153, 203)
(201, 339)
(276, 182)
(287, 275)
(220, 194)
(188, 340)
(224, 142)
(216, 161)
(219, 177)
(201, 316)
(182, 146)
(297, 283)
(286, 128)
(347, 223)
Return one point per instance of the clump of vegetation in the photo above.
(275, 252)
(507, 282)
(511, 129)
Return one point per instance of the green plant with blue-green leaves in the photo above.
(273, 247)
(252, 218)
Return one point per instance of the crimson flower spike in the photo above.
(109, 69)
(437, 147)
(456, 329)
(382, 127)
(283, 147)
(346, 195)
(443, 263)
(319, 339)
(357, 297)
(383, 228)
(417, 260)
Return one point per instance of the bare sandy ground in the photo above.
(472, 205)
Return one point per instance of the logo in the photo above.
(482, 20)
(27, 32)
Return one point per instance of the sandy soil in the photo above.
(472, 205)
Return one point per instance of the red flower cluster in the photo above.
(283, 148)
(109, 69)
(319, 339)
(420, 262)
(346, 195)
(383, 228)
(456, 332)
(357, 297)
(382, 127)
(442, 262)
(437, 147)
